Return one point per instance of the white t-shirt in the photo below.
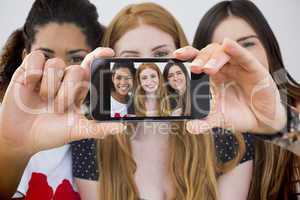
(117, 107)
(56, 164)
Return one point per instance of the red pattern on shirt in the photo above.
(39, 188)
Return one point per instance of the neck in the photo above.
(119, 98)
(152, 132)
(151, 106)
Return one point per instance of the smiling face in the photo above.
(65, 41)
(177, 79)
(145, 41)
(123, 81)
(243, 34)
(149, 80)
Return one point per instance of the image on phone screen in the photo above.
(147, 89)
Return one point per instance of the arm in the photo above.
(24, 131)
(235, 184)
(242, 86)
(12, 165)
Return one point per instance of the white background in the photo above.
(283, 16)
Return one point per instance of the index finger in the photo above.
(100, 52)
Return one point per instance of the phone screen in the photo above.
(147, 89)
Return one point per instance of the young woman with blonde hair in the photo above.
(150, 95)
(162, 163)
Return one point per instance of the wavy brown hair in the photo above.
(193, 166)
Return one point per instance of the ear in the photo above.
(24, 54)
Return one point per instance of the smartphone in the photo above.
(147, 89)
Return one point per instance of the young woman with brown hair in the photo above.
(178, 80)
(276, 170)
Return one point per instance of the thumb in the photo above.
(100, 52)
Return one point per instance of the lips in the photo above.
(124, 88)
(150, 88)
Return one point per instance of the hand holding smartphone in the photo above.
(151, 89)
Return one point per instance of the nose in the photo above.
(122, 81)
(175, 77)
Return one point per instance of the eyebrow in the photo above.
(246, 37)
(158, 47)
(69, 52)
(77, 50)
(130, 52)
(46, 50)
(136, 52)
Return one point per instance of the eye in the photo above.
(118, 77)
(248, 44)
(153, 76)
(170, 75)
(160, 54)
(47, 57)
(76, 59)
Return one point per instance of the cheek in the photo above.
(182, 78)
(115, 81)
(142, 82)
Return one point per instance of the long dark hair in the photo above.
(271, 177)
(81, 13)
(253, 16)
(184, 100)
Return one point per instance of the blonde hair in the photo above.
(162, 101)
(193, 166)
(151, 14)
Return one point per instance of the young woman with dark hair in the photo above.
(177, 79)
(123, 78)
(276, 170)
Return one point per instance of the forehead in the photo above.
(60, 36)
(122, 70)
(174, 68)
(233, 28)
(148, 71)
(144, 37)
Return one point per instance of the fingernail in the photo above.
(179, 51)
(189, 127)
